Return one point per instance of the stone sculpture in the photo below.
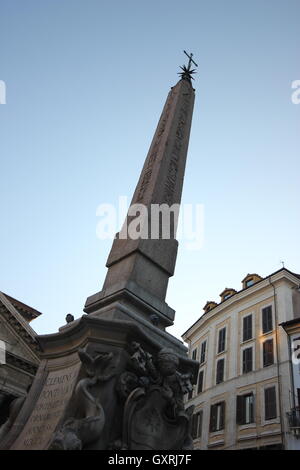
(88, 424)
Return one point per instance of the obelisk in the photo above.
(114, 379)
(139, 269)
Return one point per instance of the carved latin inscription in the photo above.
(48, 410)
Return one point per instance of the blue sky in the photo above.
(86, 81)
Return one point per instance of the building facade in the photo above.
(245, 391)
(19, 351)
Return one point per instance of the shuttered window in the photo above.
(268, 353)
(222, 340)
(245, 409)
(247, 360)
(217, 417)
(220, 371)
(298, 396)
(267, 320)
(190, 394)
(247, 327)
(203, 352)
(270, 403)
(200, 381)
(197, 424)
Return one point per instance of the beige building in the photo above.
(245, 395)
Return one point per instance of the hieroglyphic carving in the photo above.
(147, 173)
(171, 178)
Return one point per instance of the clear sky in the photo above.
(86, 81)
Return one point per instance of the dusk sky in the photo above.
(86, 81)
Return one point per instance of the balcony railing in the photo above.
(294, 420)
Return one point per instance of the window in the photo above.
(267, 320)
(247, 327)
(250, 282)
(194, 354)
(217, 417)
(197, 424)
(268, 353)
(270, 403)
(298, 397)
(6, 400)
(245, 409)
(190, 393)
(203, 352)
(222, 340)
(200, 381)
(220, 371)
(247, 360)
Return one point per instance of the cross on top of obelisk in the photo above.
(190, 60)
(187, 71)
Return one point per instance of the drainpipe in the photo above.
(278, 365)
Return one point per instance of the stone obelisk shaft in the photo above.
(143, 266)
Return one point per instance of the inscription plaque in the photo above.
(50, 406)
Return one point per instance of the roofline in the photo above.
(32, 311)
(253, 274)
(27, 333)
(238, 292)
(288, 323)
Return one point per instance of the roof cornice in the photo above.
(24, 309)
(242, 294)
(19, 324)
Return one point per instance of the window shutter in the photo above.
(222, 340)
(240, 409)
(247, 360)
(252, 409)
(203, 352)
(244, 361)
(247, 327)
(220, 371)
(200, 381)
(200, 420)
(222, 419)
(264, 322)
(267, 320)
(268, 353)
(265, 353)
(270, 319)
(194, 426)
(298, 396)
(213, 418)
(270, 403)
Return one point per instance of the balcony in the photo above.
(294, 421)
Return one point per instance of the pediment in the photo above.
(14, 344)
(19, 337)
